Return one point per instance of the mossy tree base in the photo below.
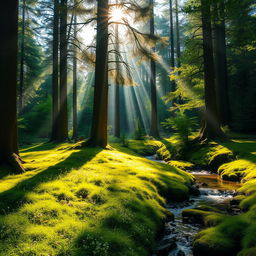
(15, 162)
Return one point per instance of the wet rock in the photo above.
(181, 253)
(204, 185)
(165, 246)
(194, 190)
(193, 216)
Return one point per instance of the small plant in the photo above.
(181, 124)
(124, 140)
(139, 132)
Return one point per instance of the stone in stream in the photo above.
(180, 253)
(165, 246)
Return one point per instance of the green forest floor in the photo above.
(86, 202)
(99, 202)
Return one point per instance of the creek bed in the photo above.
(214, 192)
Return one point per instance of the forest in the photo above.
(128, 128)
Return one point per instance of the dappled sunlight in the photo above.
(80, 200)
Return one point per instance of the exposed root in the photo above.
(15, 161)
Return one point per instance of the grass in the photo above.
(87, 201)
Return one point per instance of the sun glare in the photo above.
(117, 14)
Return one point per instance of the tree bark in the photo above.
(9, 153)
(177, 33)
(172, 43)
(219, 37)
(154, 118)
(211, 125)
(75, 131)
(117, 132)
(22, 51)
(63, 114)
(55, 74)
(98, 135)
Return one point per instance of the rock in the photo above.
(194, 190)
(181, 253)
(165, 246)
(193, 216)
(220, 159)
(204, 185)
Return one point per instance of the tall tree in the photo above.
(177, 33)
(154, 122)
(9, 153)
(219, 37)
(117, 123)
(75, 128)
(22, 49)
(172, 39)
(63, 113)
(98, 135)
(55, 74)
(211, 125)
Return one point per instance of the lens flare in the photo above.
(116, 14)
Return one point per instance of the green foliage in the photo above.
(139, 132)
(37, 120)
(181, 124)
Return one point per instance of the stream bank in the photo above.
(215, 196)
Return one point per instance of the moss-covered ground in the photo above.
(231, 235)
(234, 160)
(85, 201)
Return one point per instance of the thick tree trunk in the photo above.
(75, 131)
(100, 113)
(177, 33)
(22, 52)
(55, 74)
(8, 85)
(63, 114)
(219, 36)
(211, 125)
(154, 120)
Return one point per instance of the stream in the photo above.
(178, 234)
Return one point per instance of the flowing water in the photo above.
(213, 192)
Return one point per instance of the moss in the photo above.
(211, 155)
(181, 165)
(248, 252)
(144, 147)
(211, 243)
(86, 202)
(194, 216)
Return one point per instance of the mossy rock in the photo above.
(194, 216)
(248, 252)
(219, 159)
(222, 247)
(182, 165)
(231, 177)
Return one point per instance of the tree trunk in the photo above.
(117, 131)
(100, 106)
(55, 74)
(219, 36)
(8, 85)
(172, 43)
(75, 131)
(63, 115)
(177, 33)
(22, 51)
(211, 125)
(154, 122)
